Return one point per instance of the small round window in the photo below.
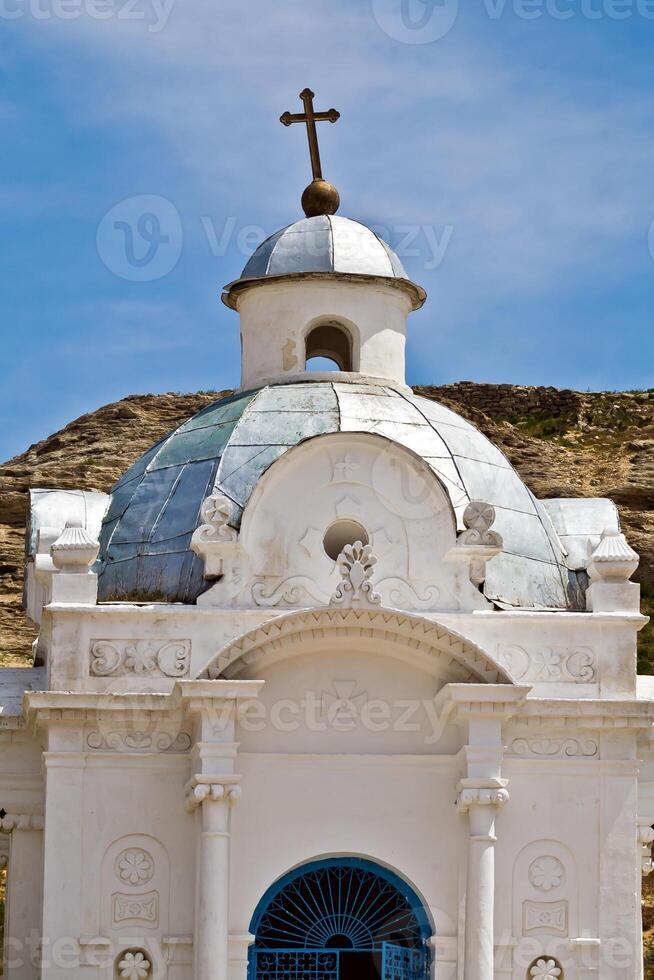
(341, 532)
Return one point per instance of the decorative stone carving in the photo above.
(135, 908)
(546, 873)
(134, 866)
(477, 544)
(294, 591)
(545, 968)
(545, 918)
(198, 792)
(610, 567)
(157, 658)
(549, 663)
(346, 468)
(403, 596)
(75, 550)
(425, 639)
(481, 796)
(135, 741)
(216, 539)
(552, 747)
(20, 821)
(355, 565)
(646, 839)
(613, 560)
(134, 965)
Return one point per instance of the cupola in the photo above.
(325, 286)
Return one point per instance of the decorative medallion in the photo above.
(546, 969)
(134, 965)
(134, 866)
(546, 873)
(545, 918)
(158, 658)
(135, 908)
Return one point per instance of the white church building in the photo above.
(321, 690)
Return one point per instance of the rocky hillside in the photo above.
(564, 443)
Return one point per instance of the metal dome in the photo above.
(155, 508)
(322, 245)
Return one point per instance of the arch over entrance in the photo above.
(340, 919)
(390, 632)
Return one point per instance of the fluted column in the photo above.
(480, 801)
(213, 799)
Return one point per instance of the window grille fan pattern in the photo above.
(339, 906)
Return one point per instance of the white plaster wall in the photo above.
(348, 701)
(276, 316)
(99, 805)
(396, 810)
(387, 489)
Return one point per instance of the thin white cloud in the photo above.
(538, 179)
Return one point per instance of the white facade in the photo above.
(164, 764)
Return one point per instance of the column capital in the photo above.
(20, 821)
(213, 789)
(471, 701)
(201, 695)
(479, 792)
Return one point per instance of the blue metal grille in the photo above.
(306, 964)
(323, 921)
(339, 905)
(400, 963)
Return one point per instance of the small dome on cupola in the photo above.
(324, 245)
(323, 287)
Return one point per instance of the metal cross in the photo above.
(310, 117)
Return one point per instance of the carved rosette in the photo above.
(134, 965)
(355, 565)
(216, 538)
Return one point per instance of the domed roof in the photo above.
(321, 245)
(155, 507)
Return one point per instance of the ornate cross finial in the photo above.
(320, 197)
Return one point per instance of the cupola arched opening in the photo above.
(340, 919)
(330, 341)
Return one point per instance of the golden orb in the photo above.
(320, 197)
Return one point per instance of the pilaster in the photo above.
(482, 792)
(211, 794)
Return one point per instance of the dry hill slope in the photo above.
(564, 443)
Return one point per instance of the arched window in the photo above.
(328, 347)
(340, 919)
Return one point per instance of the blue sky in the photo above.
(506, 146)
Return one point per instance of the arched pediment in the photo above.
(413, 639)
